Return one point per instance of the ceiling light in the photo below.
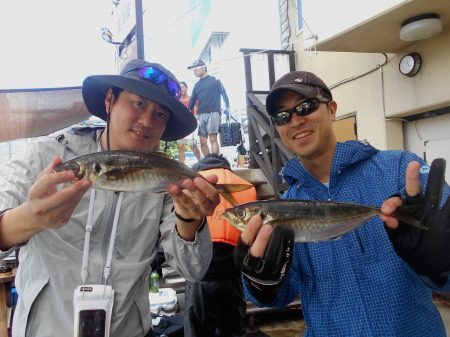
(420, 27)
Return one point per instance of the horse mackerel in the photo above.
(126, 171)
(310, 220)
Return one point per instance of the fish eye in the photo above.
(97, 168)
(241, 213)
(75, 167)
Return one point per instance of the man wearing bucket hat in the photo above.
(110, 237)
(376, 280)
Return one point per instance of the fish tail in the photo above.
(410, 220)
(225, 192)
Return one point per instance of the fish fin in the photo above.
(229, 197)
(226, 193)
(410, 220)
(233, 188)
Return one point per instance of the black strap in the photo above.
(184, 219)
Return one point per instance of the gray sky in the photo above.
(51, 43)
(57, 43)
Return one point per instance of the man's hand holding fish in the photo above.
(46, 207)
(193, 203)
(155, 172)
(352, 276)
(427, 252)
(264, 254)
(139, 202)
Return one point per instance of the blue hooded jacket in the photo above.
(357, 285)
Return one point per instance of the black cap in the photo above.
(306, 84)
(196, 63)
(212, 161)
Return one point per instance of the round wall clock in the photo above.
(409, 64)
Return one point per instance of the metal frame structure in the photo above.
(266, 150)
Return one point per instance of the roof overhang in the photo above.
(381, 33)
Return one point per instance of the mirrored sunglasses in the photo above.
(157, 76)
(302, 109)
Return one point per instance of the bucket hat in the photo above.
(306, 84)
(149, 80)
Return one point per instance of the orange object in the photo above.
(219, 228)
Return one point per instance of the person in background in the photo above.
(190, 140)
(103, 239)
(207, 91)
(215, 306)
(376, 280)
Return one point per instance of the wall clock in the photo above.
(409, 64)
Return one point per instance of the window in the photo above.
(299, 16)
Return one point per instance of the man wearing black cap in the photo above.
(215, 306)
(376, 280)
(109, 238)
(207, 92)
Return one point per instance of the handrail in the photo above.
(267, 151)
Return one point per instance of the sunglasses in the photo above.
(302, 109)
(157, 76)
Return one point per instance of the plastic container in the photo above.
(154, 282)
(163, 301)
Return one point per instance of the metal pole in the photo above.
(139, 30)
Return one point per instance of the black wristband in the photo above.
(183, 219)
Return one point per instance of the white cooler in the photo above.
(164, 300)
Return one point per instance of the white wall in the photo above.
(427, 90)
(327, 18)
(383, 96)
(430, 138)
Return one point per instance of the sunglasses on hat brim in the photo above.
(157, 76)
(302, 109)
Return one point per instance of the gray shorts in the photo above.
(208, 123)
(190, 139)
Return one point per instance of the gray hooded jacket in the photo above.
(50, 262)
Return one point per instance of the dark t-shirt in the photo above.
(207, 92)
(222, 265)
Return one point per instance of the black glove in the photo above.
(265, 274)
(426, 251)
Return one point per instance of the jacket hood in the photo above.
(76, 141)
(346, 155)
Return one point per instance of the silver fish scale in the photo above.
(151, 172)
(314, 210)
(315, 220)
(144, 160)
(310, 220)
(132, 171)
(140, 180)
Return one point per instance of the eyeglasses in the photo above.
(157, 76)
(302, 109)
